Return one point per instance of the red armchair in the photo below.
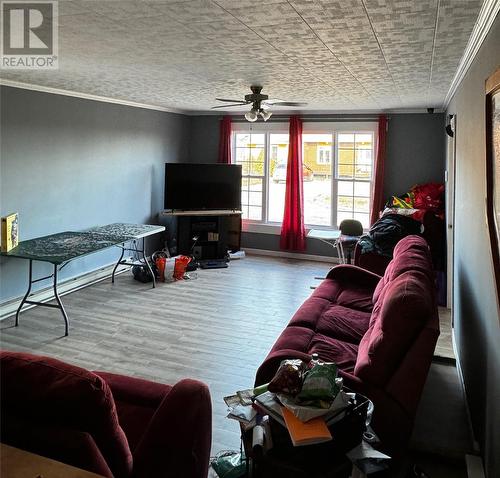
(112, 425)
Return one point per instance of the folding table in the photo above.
(61, 248)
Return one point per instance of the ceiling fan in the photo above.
(260, 104)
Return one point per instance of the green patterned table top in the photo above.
(64, 246)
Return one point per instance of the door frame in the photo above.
(450, 178)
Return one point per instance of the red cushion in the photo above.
(332, 293)
(136, 402)
(49, 391)
(403, 307)
(135, 390)
(347, 293)
(343, 323)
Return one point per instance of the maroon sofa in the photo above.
(380, 331)
(112, 425)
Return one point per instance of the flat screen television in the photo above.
(202, 186)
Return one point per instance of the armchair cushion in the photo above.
(136, 402)
(52, 392)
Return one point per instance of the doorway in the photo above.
(451, 129)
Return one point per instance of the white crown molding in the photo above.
(317, 112)
(186, 112)
(86, 96)
(485, 19)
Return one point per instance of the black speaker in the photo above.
(198, 252)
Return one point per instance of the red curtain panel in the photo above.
(293, 235)
(378, 175)
(225, 140)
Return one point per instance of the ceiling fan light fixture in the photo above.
(251, 115)
(265, 114)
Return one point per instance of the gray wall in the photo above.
(476, 314)
(415, 154)
(69, 164)
(415, 151)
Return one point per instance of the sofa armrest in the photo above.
(178, 439)
(355, 274)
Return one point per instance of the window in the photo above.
(337, 162)
(353, 175)
(250, 154)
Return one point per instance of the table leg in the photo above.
(61, 306)
(146, 261)
(117, 264)
(28, 292)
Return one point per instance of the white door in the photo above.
(450, 211)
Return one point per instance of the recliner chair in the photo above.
(112, 425)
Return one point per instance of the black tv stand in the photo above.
(208, 235)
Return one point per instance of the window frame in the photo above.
(267, 129)
(321, 127)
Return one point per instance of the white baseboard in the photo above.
(475, 443)
(291, 255)
(8, 308)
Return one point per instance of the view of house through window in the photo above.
(337, 172)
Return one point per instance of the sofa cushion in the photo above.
(343, 323)
(332, 293)
(403, 307)
(49, 391)
(334, 350)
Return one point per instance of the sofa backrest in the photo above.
(45, 392)
(404, 302)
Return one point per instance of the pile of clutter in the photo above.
(310, 391)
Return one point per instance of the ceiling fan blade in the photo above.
(231, 101)
(284, 103)
(227, 106)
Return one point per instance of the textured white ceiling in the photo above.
(333, 54)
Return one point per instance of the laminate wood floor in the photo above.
(217, 328)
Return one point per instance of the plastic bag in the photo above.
(288, 378)
(307, 412)
(181, 263)
(229, 464)
(320, 383)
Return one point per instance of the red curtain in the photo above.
(378, 176)
(293, 234)
(225, 140)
